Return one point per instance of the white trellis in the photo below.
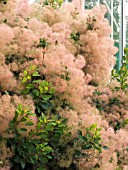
(31, 1)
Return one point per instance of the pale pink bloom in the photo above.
(80, 62)
(88, 78)
(24, 9)
(125, 167)
(5, 73)
(6, 35)
(60, 84)
(5, 168)
(6, 113)
(35, 25)
(69, 65)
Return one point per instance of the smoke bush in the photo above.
(56, 60)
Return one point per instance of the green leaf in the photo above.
(36, 74)
(16, 159)
(46, 88)
(79, 133)
(77, 153)
(38, 109)
(29, 123)
(126, 51)
(28, 77)
(49, 156)
(52, 91)
(24, 80)
(32, 161)
(45, 83)
(12, 123)
(83, 138)
(41, 168)
(87, 146)
(44, 106)
(93, 126)
(32, 114)
(36, 81)
(29, 86)
(36, 141)
(25, 91)
(22, 164)
(97, 139)
(36, 156)
(47, 97)
(37, 93)
(25, 73)
(105, 147)
(43, 159)
(21, 130)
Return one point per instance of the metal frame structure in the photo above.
(121, 28)
(121, 44)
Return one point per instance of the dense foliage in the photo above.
(60, 107)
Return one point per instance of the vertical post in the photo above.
(66, 1)
(30, 1)
(112, 13)
(83, 4)
(121, 33)
(124, 24)
(98, 2)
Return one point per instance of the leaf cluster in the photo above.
(41, 90)
(122, 74)
(91, 22)
(65, 75)
(54, 3)
(36, 148)
(75, 37)
(121, 124)
(106, 107)
(91, 139)
(43, 43)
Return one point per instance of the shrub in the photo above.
(122, 75)
(55, 63)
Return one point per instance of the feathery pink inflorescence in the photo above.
(73, 67)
